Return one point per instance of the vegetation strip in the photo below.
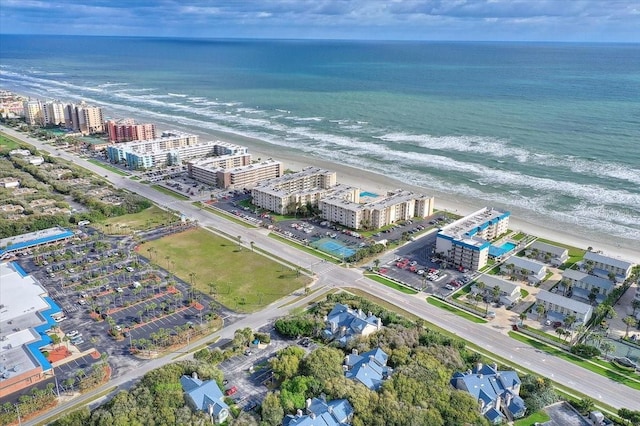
(108, 167)
(169, 192)
(77, 406)
(394, 285)
(447, 307)
(595, 368)
(223, 214)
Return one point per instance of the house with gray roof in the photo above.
(582, 284)
(548, 253)
(205, 396)
(531, 270)
(603, 265)
(338, 412)
(369, 368)
(558, 307)
(497, 392)
(509, 291)
(344, 323)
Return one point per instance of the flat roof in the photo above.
(32, 239)
(469, 225)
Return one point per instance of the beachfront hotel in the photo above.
(344, 207)
(284, 194)
(234, 171)
(84, 118)
(465, 242)
(127, 130)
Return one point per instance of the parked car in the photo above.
(232, 390)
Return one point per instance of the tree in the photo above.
(495, 292)
(523, 316)
(376, 263)
(323, 363)
(628, 321)
(540, 310)
(584, 406)
(569, 320)
(568, 285)
(635, 305)
(593, 295)
(252, 244)
(239, 239)
(271, 410)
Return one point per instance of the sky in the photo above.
(472, 20)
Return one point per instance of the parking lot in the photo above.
(251, 374)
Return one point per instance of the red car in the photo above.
(231, 391)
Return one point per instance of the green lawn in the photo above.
(523, 293)
(108, 167)
(518, 236)
(7, 143)
(613, 375)
(169, 192)
(463, 291)
(147, 219)
(537, 417)
(447, 307)
(394, 285)
(240, 279)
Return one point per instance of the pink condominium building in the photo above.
(127, 130)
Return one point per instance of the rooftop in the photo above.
(470, 225)
(560, 300)
(32, 239)
(548, 248)
(524, 263)
(600, 258)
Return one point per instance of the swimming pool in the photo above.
(368, 194)
(497, 251)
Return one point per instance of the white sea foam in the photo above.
(293, 118)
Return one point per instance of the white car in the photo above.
(449, 287)
(72, 334)
(420, 272)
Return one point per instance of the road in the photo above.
(328, 275)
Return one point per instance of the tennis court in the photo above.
(333, 247)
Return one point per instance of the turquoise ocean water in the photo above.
(550, 131)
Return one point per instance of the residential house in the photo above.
(344, 323)
(531, 270)
(558, 307)
(548, 253)
(497, 392)
(602, 266)
(205, 396)
(582, 284)
(322, 413)
(510, 292)
(370, 368)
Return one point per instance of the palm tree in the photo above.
(376, 263)
(523, 316)
(239, 238)
(593, 295)
(635, 305)
(481, 287)
(251, 244)
(540, 310)
(495, 292)
(628, 322)
(560, 331)
(607, 347)
(567, 286)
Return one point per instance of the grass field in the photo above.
(537, 417)
(146, 219)
(394, 285)
(464, 314)
(108, 167)
(7, 143)
(169, 192)
(240, 279)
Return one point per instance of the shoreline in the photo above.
(378, 183)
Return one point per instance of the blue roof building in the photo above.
(497, 392)
(322, 413)
(344, 323)
(205, 396)
(370, 368)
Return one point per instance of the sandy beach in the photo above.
(378, 183)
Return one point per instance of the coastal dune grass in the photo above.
(238, 278)
(146, 219)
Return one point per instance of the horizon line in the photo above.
(179, 37)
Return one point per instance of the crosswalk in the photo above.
(323, 267)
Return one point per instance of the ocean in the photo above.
(549, 131)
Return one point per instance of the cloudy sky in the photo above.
(544, 20)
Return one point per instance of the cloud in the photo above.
(594, 20)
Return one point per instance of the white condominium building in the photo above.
(290, 191)
(33, 113)
(234, 171)
(465, 242)
(602, 266)
(344, 207)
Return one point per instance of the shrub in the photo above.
(585, 351)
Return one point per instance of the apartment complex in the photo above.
(290, 191)
(344, 207)
(465, 242)
(222, 172)
(84, 118)
(127, 130)
(557, 307)
(33, 113)
(548, 252)
(172, 147)
(602, 266)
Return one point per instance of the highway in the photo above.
(328, 275)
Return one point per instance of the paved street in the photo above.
(598, 387)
